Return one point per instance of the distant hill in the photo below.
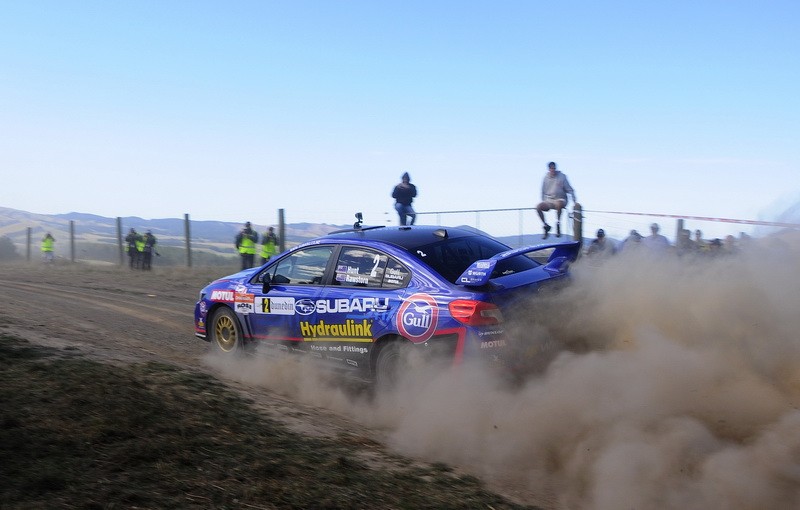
(211, 236)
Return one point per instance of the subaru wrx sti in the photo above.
(357, 299)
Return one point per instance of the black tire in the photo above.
(390, 365)
(226, 332)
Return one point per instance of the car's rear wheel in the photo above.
(226, 333)
(391, 363)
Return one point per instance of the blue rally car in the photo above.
(356, 299)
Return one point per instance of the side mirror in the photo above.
(266, 283)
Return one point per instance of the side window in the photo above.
(303, 267)
(396, 275)
(359, 267)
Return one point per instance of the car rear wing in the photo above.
(480, 272)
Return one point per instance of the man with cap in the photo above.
(555, 188)
(246, 241)
(601, 246)
(404, 194)
(149, 249)
(132, 242)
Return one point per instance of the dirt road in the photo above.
(120, 316)
(686, 387)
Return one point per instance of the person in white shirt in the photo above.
(656, 241)
(555, 188)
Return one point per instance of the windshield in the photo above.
(451, 257)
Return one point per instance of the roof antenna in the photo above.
(359, 221)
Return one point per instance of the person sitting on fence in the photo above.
(555, 191)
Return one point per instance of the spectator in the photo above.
(149, 249)
(269, 244)
(133, 239)
(404, 194)
(47, 248)
(600, 246)
(684, 244)
(555, 191)
(730, 245)
(245, 242)
(700, 245)
(632, 242)
(655, 241)
(715, 247)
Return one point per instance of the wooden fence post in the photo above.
(188, 235)
(72, 241)
(119, 241)
(577, 222)
(281, 230)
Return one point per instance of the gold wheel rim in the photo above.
(225, 333)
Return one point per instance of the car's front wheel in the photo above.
(226, 333)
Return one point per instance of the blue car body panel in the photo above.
(378, 285)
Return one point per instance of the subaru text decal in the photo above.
(342, 305)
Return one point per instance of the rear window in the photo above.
(451, 257)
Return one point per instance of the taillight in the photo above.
(475, 313)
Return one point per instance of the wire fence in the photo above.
(516, 225)
(186, 242)
(513, 225)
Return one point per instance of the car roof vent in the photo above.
(440, 233)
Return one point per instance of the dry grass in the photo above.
(80, 434)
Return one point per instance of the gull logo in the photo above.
(417, 317)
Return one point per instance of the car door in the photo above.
(358, 306)
(280, 315)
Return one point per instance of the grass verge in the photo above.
(76, 433)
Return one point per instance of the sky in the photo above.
(232, 110)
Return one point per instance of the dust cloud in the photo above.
(675, 384)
